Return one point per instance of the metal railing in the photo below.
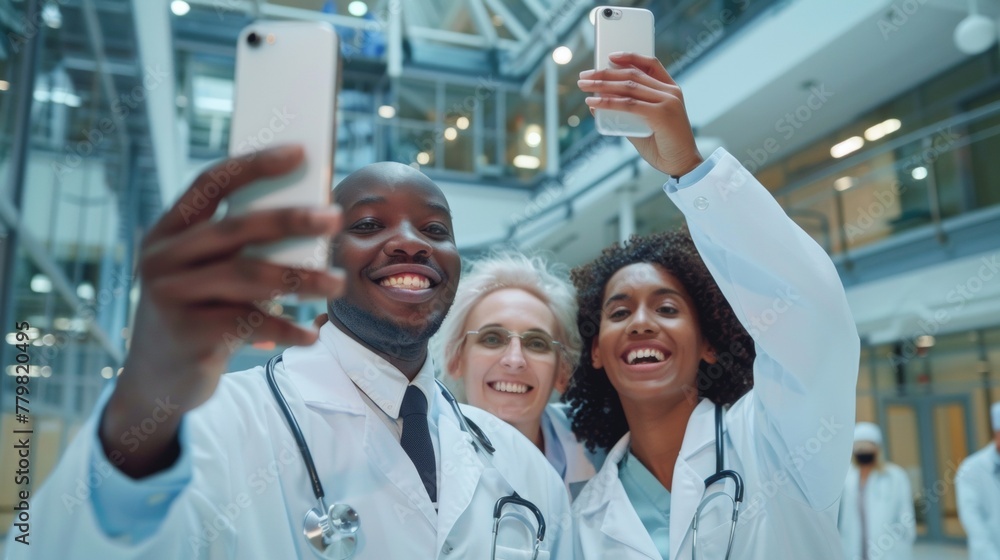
(920, 179)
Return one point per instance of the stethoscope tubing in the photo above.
(293, 425)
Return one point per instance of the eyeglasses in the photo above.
(535, 342)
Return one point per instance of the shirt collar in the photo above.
(381, 381)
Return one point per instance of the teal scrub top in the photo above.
(650, 500)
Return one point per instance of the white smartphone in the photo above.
(621, 30)
(287, 80)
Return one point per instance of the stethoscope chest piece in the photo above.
(332, 534)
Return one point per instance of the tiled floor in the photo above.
(939, 552)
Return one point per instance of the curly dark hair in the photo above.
(598, 417)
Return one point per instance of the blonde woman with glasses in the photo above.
(508, 342)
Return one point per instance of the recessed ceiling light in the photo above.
(357, 8)
(180, 7)
(562, 55)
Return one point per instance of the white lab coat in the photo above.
(791, 436)
(581, 465)
(891, 523)
(977, 484)
(233, 509)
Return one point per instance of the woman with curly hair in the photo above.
(719, 366)
(509, 341)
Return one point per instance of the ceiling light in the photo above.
(526, 162)
(882, 129)
(573, 121)
(843, 183)
(60, 96)
(462, 123)
(848, 146)
(975, 33)
(533, 135)
(52, 16)
(180, 7)
(423, 158)
(387, 111)
(919, 173)
(450, 133)
(925, 341)
(357, 8)
(107, 372)
(497, 20)
(562, 55)
(40, 284)
(86, 291)
(4, 85)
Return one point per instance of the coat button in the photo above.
(447, 548)
(701, 203)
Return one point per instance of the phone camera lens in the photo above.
(608, 12)
(253, 39)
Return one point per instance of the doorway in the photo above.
(929, 436)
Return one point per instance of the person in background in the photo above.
(509, 341)
(978, 486)
(876, 512)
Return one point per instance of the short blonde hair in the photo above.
(502, 270)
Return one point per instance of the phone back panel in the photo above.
(633, 32)
(286, 92)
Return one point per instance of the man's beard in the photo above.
(383, 335)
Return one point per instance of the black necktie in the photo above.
(416, 438)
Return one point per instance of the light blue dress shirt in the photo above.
(554, 451)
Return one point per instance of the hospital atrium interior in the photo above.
(872, 122)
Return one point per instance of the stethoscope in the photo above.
(720, 474)
(333, 531)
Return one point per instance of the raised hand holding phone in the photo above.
(641, 87)
(202, 278)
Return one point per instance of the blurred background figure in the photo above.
(978, 484)
(508, 342)
(876, 520)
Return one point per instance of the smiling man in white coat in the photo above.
(678, 328)
(977, 484)
(218, 473)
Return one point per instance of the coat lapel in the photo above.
(610, 504)
(461, 469)
(689, 481)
